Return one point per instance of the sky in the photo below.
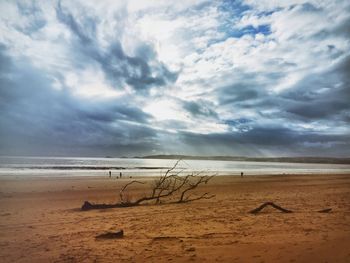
(131, 78)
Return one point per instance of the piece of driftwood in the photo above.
(327, 210)
(165, 189)
(258, 209)
(111, 235)
(89, 206)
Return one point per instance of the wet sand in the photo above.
(40, 221)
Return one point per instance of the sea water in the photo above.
(74, 166)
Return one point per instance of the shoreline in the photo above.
(140, 175)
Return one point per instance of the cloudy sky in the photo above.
(96, 78)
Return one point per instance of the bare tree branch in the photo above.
(192, 185)
(121, 193)
(170, 186)
(203, 196)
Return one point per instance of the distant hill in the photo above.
(329, 160)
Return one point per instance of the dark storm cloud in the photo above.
(120, 68)
(238, 92)
(135, 71)
(249, 94)
(248, 87)
(5, 63)
(110, 112)
(200, 108)
(272, 139)
(321, 96)
(318, 96)
(36, 119)
(319, 109)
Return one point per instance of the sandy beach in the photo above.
(41, 221)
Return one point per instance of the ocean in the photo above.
(73, 166)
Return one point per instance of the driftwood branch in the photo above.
(192, 185)
(89, 206)
(121, 193)
(167, 187)
(203, 196)
(258, 209)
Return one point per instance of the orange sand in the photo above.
(40, 222)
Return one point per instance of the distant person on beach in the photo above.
(110, 174)
(120, 175)
(241, 174)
